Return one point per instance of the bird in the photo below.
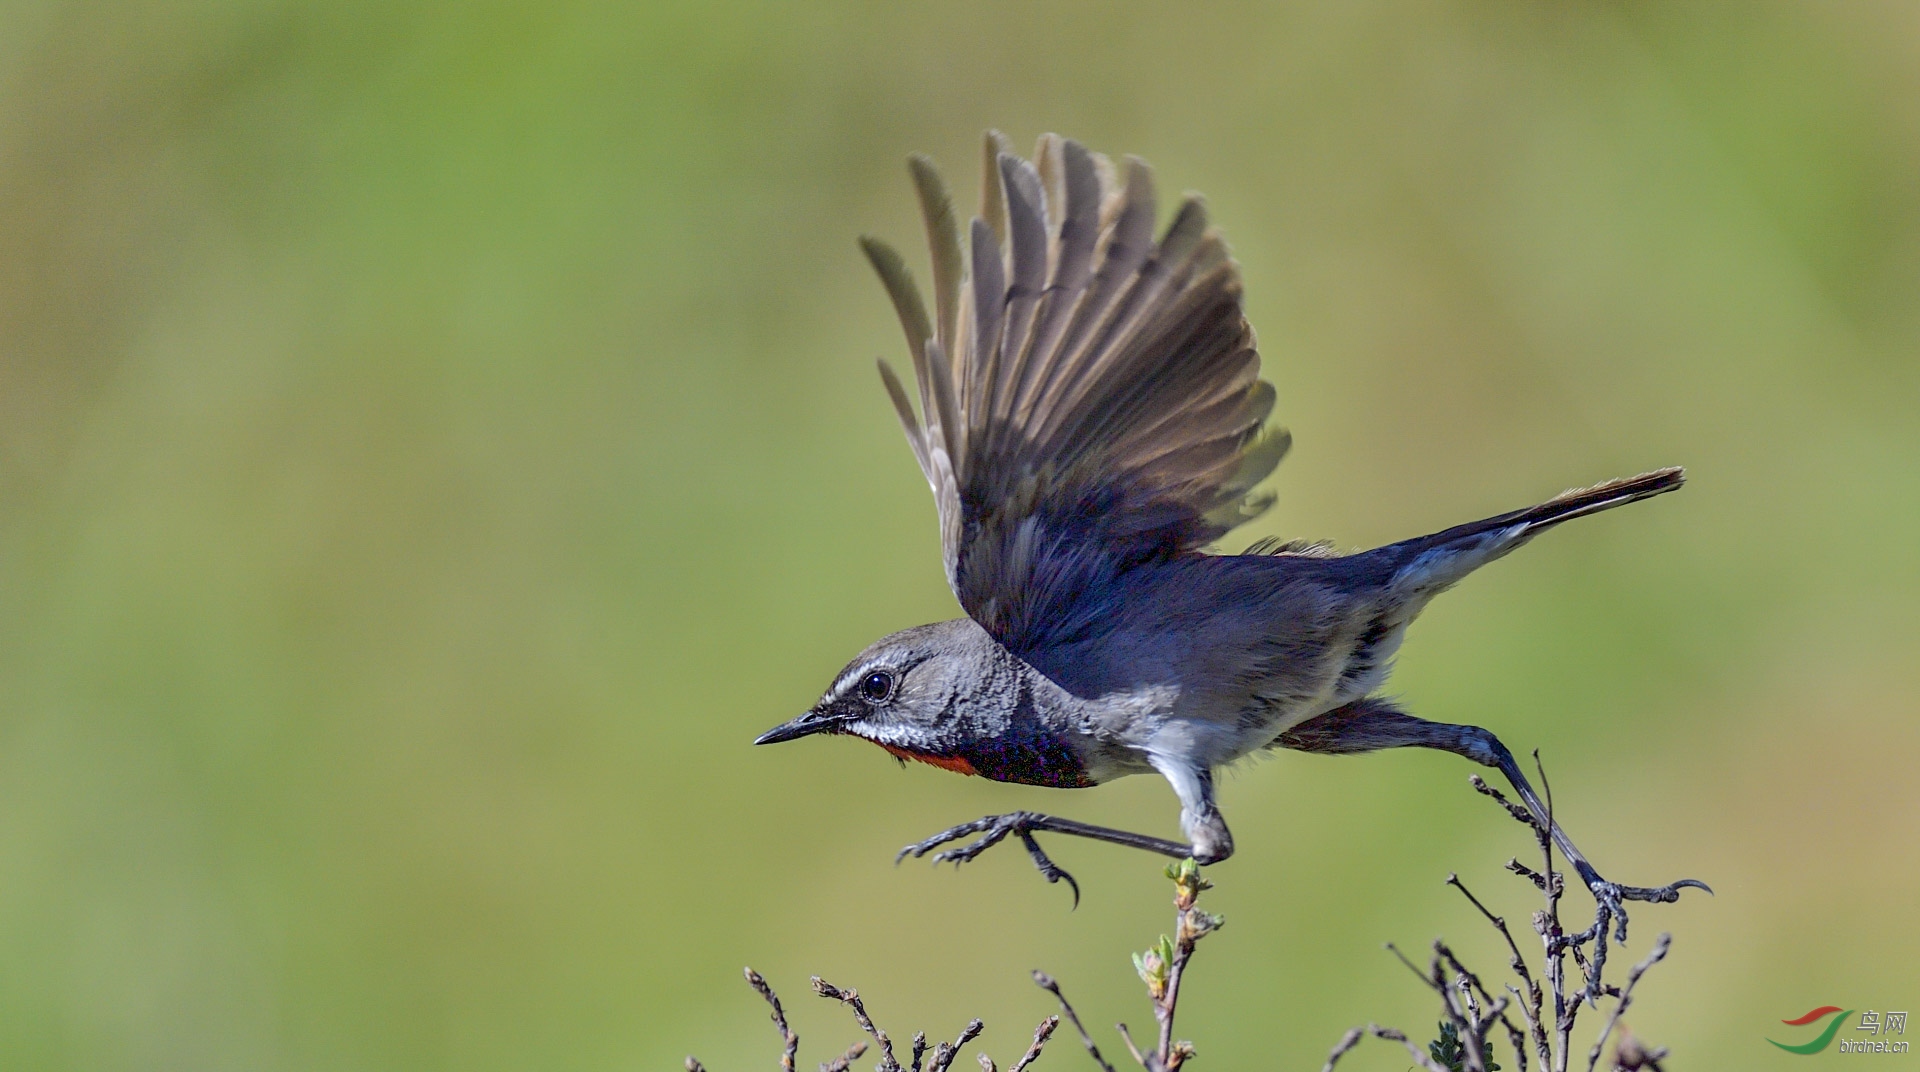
(1091, 419)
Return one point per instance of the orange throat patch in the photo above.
(957, 764)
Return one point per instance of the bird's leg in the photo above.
(1200, 818)
(994, 829)
(1369, 725)
(1609, 893)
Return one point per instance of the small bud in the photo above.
(1153, 966)
(1204, 923)
(1187, 882)
(829, 991)
(1152, 972)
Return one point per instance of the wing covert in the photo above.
(1089, 399)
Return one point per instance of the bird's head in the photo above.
(906, 692)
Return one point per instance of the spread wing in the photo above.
(1089, 399)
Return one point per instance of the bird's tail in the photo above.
(1430, 563)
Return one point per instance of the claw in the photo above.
(996, 832)
(921, 848)
(1051, 871)
(966, 853)
(994, 829)
(1613, 896)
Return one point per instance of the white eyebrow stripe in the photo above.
(845, 681)
(898, 670)
(841, 683)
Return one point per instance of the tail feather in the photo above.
(1436, 561)
(1568, 505)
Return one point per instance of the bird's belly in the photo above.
(1347, 677)
(1367, 667)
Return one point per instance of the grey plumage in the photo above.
(1089, 414)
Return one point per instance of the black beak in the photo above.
(806, 725)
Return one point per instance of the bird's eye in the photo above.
(876, 687)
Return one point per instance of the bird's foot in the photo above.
(1609, 906)
(1612, 896)
(994, 829)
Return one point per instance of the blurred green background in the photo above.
(435, 439)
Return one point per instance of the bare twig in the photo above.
(790, 1040)
(841, 1063)
(1417, 973)
(1496, 1006)
(1518, 811)
(1518, 963)
(1127, 1037)
(1347, 1042)
(1046, 982)
(1540, 881)
(851, 999)
(945, 1052)
(1040, 1036)
(1469, 1006)
(1467, 1030)
(1654, 956)
(1531, 998)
